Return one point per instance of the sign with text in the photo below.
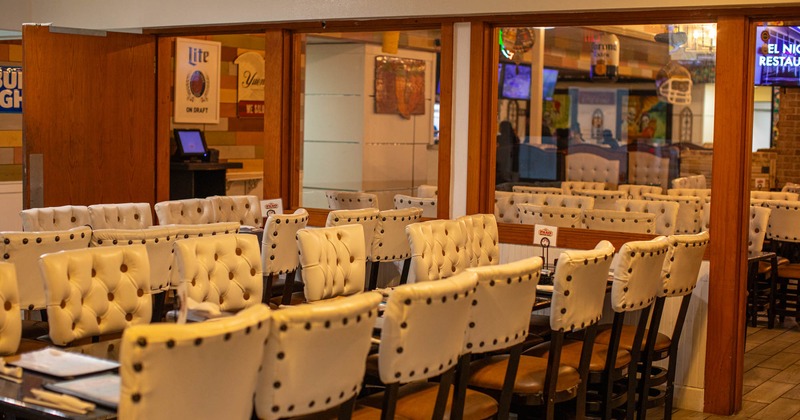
(270, 207)
(250, 85)
(197, 81)
(10, 90)
(545, 235)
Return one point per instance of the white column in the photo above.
(535, 104)
(460, 123)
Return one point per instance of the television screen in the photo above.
(549, 79)
(191, 143)
(777, 56)
(516, 81)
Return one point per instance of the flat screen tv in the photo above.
(191, 144)
(516, 81)
(777, 56)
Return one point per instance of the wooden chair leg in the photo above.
(406, 267)
(504, 408)
(288, 288)
(373, 275)
(267, 288)
(389, 401)
(648, 356)
(551, 379)
(460, 388)
(583, 370)
(445, 381)
(346, 409)
(158, 306)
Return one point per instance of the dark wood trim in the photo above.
(482, 124)
(164, 106)
(729, 216)
(445, 119)
(277, 116)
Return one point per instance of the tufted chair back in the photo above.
(438, 249)
(568, 187)
(347, 200)
(690, 211)
(603, 200)
(423, 328)
(791, 187)
(647, 168)
(205, 229)
(333, 261)
(570, 201)
(223, 356)
(619, 221)
(759, 220)
(314, 357)
(95, 291)
(23, 249)
(158, 241)
(245, 209)
(120, 216)
(279, 243)
(505, 209)
(774, 195)
(482, 239)
(682, 263)
(428, 191)
(428, 205)
(505, 296)
(389, 242)
(783, 225)
(366, 217)
(666, 212)
(10, 319)
(579, 287)
(537, 190)
(223, 269)
(54, 218)
(183, 212)
(638, 276)
(589, 167)
(693, 181)
(635, 192)
(532, 214)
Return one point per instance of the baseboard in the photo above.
(689, 398)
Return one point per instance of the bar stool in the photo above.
(438, 249)
(333, 261)
(279, 254)
(389, 241)
(783, 232)
(761, 292)
(10, 320)
(366, 217)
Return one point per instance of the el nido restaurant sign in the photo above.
(197, 81)
(10, 90)
(777, 56)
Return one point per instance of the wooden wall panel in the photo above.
(90, 110)
(166, 54)
(482, 111)
(277, 112)
(445, 120)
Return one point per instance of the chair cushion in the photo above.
(359, 413)
(626, 338)
(417, 399)
(571, 355)
(789, 271)
(490, 373)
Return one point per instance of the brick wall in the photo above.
(788, 141)
(10, 124)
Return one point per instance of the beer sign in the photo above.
(250, 85)
(197, 81)
(10, 90)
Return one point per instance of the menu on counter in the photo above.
(63, 364)
(99, 389)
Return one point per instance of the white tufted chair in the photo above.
(690, 212)
(205, 229)
(438, 249)
(482, 239)
(23, 249)
(589, 167)
(428, 191)
(619, 221)
(279, 251)
(188, 211)
(366, 217)
(245, 209)
(666, 213)
(333, 261)
(96, 291)
(505, 210)
(578, 295)
(568, 187)
(224, 270)
(165, 368)
(532, 214)
(635, 192)
(347, 200)
(428, 205)
(506, 206)
(54, 218)
(757, 271)
(10, 319)
(791, 187)
(783, 229)
(693, 181)
(314, 357)
(774, 195)
(536, 190)
(389, 242)
(422, 337)
(648, 169)
(603, 200)
(120, 216)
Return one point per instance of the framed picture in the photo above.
(399, 86)
(197, 81)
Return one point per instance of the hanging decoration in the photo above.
(514, 42)
(605, 58)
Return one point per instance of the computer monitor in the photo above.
(191, 145)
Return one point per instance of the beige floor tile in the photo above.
(794, 348)
(793, 393)
(753, 330)
(765, 335)
(752, 360)
(748, 409)
(750, 346)
(757, 375)
(689, 415)
(746, 389)
(780, 361)
(790, 336)
(770, 347)
(789, 375)
(768, 392)
(781, 409)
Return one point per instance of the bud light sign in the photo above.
(10, 90)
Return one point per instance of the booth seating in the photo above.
(279, 253)
(438, 249)
(428, 205)
(666, 213)
(333, 260)
(567, 187)
(245, 209)
(693, 181)
(10, 319)
(188, 211)
(54, 218)
(348, 200)
(647, 168)
(120, 216)
(603, 199)
(636, 192)
(619, 221)
(532, 214)
(96, 291)
(690, 212)
(314, 358)
(536, 190)
(200, 370)
(591, 163)
(483, 243)
(389, 242)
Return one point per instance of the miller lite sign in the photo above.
(197, 81)
(544, 234)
